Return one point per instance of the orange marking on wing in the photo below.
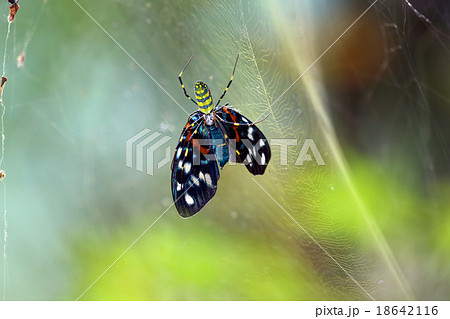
(188, 137)
(233, 117)
(196, 144)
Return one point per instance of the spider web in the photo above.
(85, 97)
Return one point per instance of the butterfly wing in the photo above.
(194, 169)
(246, 141)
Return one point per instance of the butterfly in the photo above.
(212, 136)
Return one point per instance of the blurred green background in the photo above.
(377, 106)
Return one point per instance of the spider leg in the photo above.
(191, 125)
(196, 128)
(229, 83)
(181, 82)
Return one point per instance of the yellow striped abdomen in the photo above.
(203, 97)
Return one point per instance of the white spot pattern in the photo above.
(208, 180)
(189, 200)
(250, 133)
(195, 180)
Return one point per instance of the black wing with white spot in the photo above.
(194, 169)
(246, 140)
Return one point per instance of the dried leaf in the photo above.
(12, 11)
(2, 85)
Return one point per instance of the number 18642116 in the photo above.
(407, 310)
